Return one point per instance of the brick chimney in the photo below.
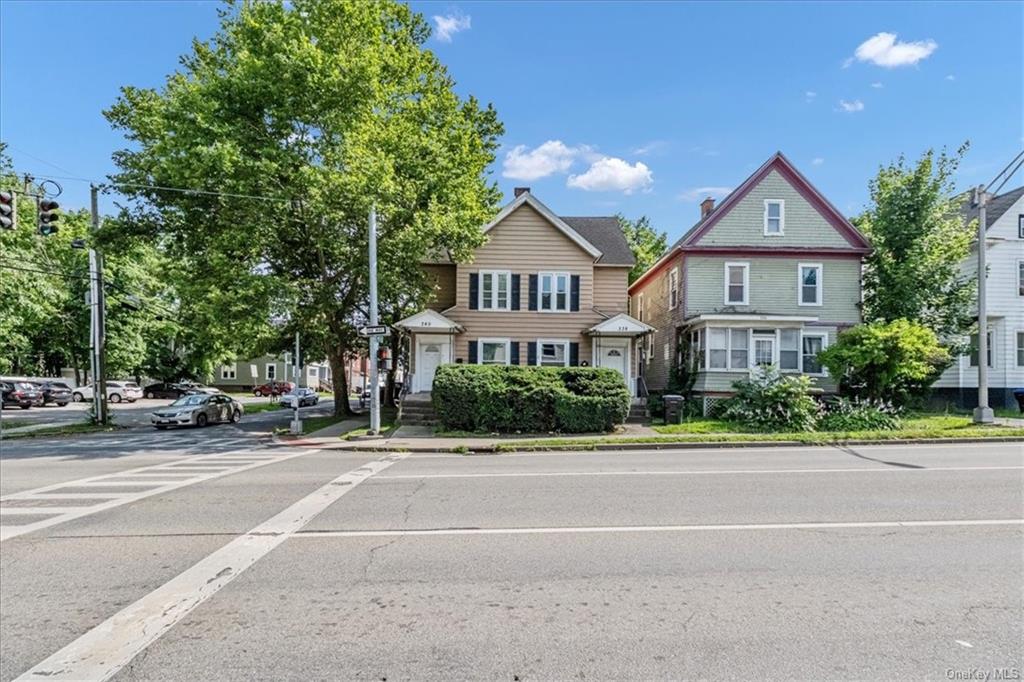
(521, 190)
(706, 207)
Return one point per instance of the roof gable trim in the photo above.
(535, 204)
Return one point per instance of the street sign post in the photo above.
(375, 330)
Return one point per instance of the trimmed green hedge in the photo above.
(512, 398)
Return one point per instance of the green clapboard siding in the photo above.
(773, 287)
(744, 224)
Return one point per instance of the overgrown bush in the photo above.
(846, 414)
(513, 399)
(886, 361)
(770, 401)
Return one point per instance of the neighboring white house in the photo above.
(1005, 301)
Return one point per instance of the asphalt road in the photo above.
(243, 561)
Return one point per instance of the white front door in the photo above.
(615, 355)
(432, 354)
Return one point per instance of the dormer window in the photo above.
(774, 217)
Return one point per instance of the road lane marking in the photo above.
(101, 652)
(655, 529)
(697, 472)
(149, 487)
(22, 511)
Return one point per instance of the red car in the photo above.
(272, 388)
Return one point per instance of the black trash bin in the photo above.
(673, 409)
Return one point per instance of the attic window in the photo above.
(774, 217)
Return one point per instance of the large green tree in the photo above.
(919, 239)
(292, 122)
(646, 243)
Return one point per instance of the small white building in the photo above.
(1005, 302)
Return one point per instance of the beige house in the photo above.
(543, 290)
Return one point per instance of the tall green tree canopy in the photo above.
(646, 243)
(322, 108)
(919, 239)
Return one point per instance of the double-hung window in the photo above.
(1020, 349)
(812, 344)
(974, 349)
(789, 349)
(737, 280)
(552, 353)
(718, 349)
(271, 370)
(553, 291)
(673, 288)
(494, 289)
(227, 372)
(810, 283)
(494, 351)
(739, 348)
(774, 217)
(1020, 278)
(640, 307)
(1020, 226)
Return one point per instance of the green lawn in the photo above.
(15, 423)
(63, 430)
(386, 427)
(257, 408)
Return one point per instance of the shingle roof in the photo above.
(995, 208)
(605, 233)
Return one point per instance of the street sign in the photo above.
(376, 330)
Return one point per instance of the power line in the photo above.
(996, 178)
(165, 188)
(1010, 174)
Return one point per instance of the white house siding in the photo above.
(959, 383)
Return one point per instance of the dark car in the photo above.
(55, 392)
(165, 390)
(21, 394)
(272, 388)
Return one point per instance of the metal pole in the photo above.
(982, 413)
(296, 424)
(374, 340)
(97, 318)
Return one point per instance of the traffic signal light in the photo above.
(8, 210)
(48, 217)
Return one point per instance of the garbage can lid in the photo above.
(672, 396)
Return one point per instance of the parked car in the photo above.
(198, 409)
(202, 388)
(304, 397)
(117, 391)
(273, 388)
(20, 394)
(165, 390)
(55, 392)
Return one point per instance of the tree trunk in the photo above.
(339, 381)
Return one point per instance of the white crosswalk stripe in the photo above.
(137, 484)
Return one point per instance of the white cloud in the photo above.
(448, 25)
(810, 95)
(652, 147)
(817, 161)
(699, 193)
(882, 49)
(610, 174)
(554, 156)
(850, 107)
(951, 77)
(877, 85)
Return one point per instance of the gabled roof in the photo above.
(620, 325)
(535, 204)
(606, 234)
(778, 162)
(995, 208)
(429, 321)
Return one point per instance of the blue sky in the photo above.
(639, 108)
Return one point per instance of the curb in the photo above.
(499, 449)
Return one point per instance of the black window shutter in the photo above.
(574, 354)
(531, 353)
(474, 290)
(513, 350)
(574, 294)
(533, 292)
(515, 292)
(472, 353)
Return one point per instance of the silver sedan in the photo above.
(198, 410)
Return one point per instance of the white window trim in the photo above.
(494, 292)
(1017, 347)
(1020, 226)
(562, 342)
(270, 368)
(228, 372)
(673, 288)
(782, 218)
(991, 337)
(640, 307)
(554, 291)
(480, 349)
(824, 344)
(746, 282)
(820, 289)
(1020, 277)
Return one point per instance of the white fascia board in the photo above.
(527, 198)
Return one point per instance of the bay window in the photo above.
(789, 349)
(739, 349)
(553, 291)
(812, 345)
(718, 351)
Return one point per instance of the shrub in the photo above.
(514, 399)
(770, 401)
(886, 361)
(845, 414)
